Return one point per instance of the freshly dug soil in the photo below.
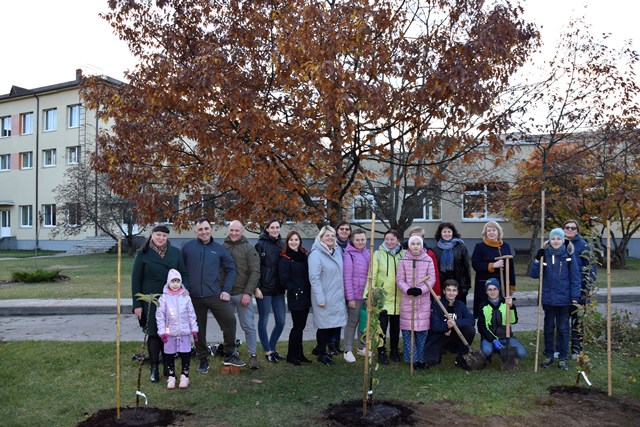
(143, 417)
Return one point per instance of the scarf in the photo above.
(492, 243)
(162, 251)
(391, 251)
(446, 260)
(342, 243)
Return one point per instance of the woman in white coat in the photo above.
(327, 290)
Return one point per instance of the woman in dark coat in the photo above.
(452, 259)
(149, 275)
(294, 277)
(486, 265)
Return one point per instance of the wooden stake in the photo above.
(609, 385)
(367, 347)
(118, 330)
(535, 365)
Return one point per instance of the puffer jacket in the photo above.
(175, 315)
(269, 250)
(421, 304)
(561, 275)
(385, 269)
(356, 269)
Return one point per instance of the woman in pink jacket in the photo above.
(415, 272)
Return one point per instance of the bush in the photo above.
(36, 276)
(625, 331)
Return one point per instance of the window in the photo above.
(73, 155)
(484, 201)
(74, 216)
(26, 123)
(365, 200)
(49, 215)
(50, 119)
(431, 209)
(5, 162)
(73, 113)
(26, 160)
(362, 207)
(26, 216)
(49, 157)
(5, 126)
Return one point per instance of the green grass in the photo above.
(26, 254)
(95, 276)
(62, 383)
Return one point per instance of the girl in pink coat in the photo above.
(176, 320)
(415, 272)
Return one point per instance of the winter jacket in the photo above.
(436, 287)
(420, 305)
(492, 320)
(294, 277)
(269, 250)
(581, 250)
(356, 270)
(247, 264)
(175, 315)
(461, 314)
(484, 255)
(385, 270)
(461, 268)
(325, 275)
(206, 263)
(561, 276)
(149, 275)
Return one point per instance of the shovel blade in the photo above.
(508, 358)
(475, 360)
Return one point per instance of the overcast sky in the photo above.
(45, 41)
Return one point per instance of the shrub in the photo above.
(625, 331)
(36, 276)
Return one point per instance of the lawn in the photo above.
(62, 383)
(95, 276)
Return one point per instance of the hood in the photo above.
(264, 235)
(568, 247)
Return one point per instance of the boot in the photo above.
(326, 359)
(382, 356)
(395, 355)
(155, 375)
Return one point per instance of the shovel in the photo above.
(475, 359)
(508, 354)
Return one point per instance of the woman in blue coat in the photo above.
(560, 290)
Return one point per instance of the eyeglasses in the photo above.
(570, 228)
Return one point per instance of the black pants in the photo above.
(295, 350)
(170, 363)
(323, 336)
(437, 344)
(155, 346)
(393, 322)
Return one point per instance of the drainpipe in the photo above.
(37, 168)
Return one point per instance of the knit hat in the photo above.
(414, 238)
(556, 232)
(161, 228)
(491, 282)
(173, 274)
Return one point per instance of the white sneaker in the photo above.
(171, 383)
(184, 381)
(556, 354)
(349, 357)
(363, 352)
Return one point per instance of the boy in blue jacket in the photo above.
(442, 336)
(560, 290)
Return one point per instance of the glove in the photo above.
(497, 345)
(164, 338)
(540, 254)
(195, 336)
(414, 292)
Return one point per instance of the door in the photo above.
(5, 224)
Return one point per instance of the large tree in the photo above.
(252, 109)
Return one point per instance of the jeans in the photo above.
(353, 318)
(556, 330)
(265, 305)
(248, 325)
(487, 347)
(223, 313)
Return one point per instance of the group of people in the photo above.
(330, 280)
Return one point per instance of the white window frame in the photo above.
(73, 116)
(483, 191)
(49, 215)
(26, 213)
(5, 127)
(428, 210)
(73, 155)
(5, 162)
(28, 155)
(362, 201)
(50, 121)
(49, 158)
(26, 123)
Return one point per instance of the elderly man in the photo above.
(205, 261)
(247, 263)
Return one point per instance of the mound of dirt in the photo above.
(143, 417)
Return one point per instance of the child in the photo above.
(176, 320)
(414, 269)
(492, 321)
(560, 289)
(442, 336)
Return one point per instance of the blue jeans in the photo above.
(265, 305)
(556, 330)
(487, 347)
(248, 325)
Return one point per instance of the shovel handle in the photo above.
(444, 310)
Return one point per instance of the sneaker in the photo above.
(171, 383)
(204, 366)
(326, 359)
(349, 357)
(253, 361)
(547, 362)
(277, 356)
(233, 360)
(184, 381)
(271, 358)
(362, 352)
(564, 365)
(574, 356)
(556, 354)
